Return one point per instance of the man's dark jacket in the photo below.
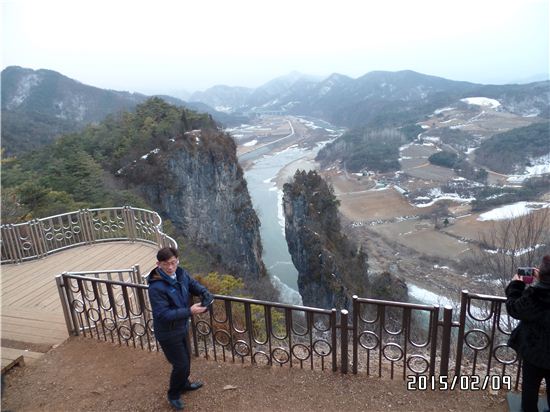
(531, 305)
(170, 300)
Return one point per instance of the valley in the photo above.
(415, 217)
(397, 216)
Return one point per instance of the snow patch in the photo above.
(154, 151)
(436, 195)
(444, 109)
(23, 90)
(512, 211)
(481, 101)
(540, 166)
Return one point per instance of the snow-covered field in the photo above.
(512, 211)
(481, 101)
(539, 167)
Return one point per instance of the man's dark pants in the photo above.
(175, 350)
(532, 378)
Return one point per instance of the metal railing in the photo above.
(385, 338)
(267, 333)
(386, 332)
(41, 237)
(483, 331)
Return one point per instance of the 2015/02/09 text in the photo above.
(463, 383)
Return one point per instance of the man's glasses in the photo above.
(170, 263)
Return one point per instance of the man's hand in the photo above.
(517, 277)
(198, 308)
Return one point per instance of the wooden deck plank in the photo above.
(8, 363)
(28, 356)
(71, 260)
(36, 339)
(29, 313)
(40, 325)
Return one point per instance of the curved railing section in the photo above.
(41, 237)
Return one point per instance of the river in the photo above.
(261, 176)
(267, 201)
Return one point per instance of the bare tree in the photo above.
(439, 214)
(509, 244)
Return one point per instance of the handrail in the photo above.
(41, 237)
(383, 337)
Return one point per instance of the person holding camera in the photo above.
(531, 338)
(170, 287)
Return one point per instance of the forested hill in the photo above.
(40, 105)
(169, 159)
(511, 151)
(79, 169)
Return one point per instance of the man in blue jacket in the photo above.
(170, 288)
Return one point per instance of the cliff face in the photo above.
(196, 181)
(331, 269)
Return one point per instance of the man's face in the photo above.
(169, 266)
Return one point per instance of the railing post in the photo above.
(87, 225)
(461, 328)
(36, 233)
(344, 341)
(136, 275)
(355, 332)
(65, 304)
(434, 321)
(129, 217)
(446, 340)
(333, 320)
(9, 243)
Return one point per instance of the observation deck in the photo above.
(35, 252)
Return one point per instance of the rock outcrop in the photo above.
(388, 286)
(195, 181)
(331, 269)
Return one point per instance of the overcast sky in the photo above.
(161, 46)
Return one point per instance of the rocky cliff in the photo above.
(331, 269)
(194, 179)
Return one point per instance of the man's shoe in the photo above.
(193, 386)
(176, 404)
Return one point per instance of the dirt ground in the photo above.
(87, 375)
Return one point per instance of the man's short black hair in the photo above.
(166, 253)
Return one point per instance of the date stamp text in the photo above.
(462, 383)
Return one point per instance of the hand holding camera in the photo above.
(526, 274)
(197, 308)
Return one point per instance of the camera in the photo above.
(527, 274)
(206, 299)
(525, 271)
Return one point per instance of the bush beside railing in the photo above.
(41, 237)
(259, 332)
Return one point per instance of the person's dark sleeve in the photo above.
(520, 303)
(195, 288)
(161, 307)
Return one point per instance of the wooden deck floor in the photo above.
(31, 310)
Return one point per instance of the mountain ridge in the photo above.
(380, 98)
(39, 105)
